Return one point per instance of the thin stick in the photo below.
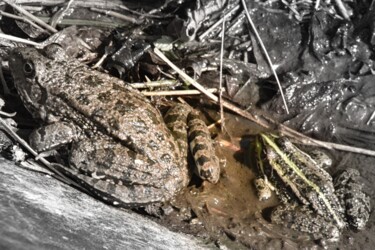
(113, 5)
(154, 84)
(185, 76)
(31, 16)
(370, 119)
(341, 147)
(264, 121)
(317, 4)
(100, 62)
(118, 15)
(265, 53)
(222, 124)
(342, 9)
(176, 92)
(3, 13)
(67, 22)
(19, 40)
(221, 20)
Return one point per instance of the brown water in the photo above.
(230, 213)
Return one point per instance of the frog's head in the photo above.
(34, 72)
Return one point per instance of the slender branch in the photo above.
(176, 92)
(222, 124)
(263, 120)
(265, 53)
(118, 15)
(31, 16)
(342, 9)
(221, 20)
(3, 13)
(19, 40)
(154, 84)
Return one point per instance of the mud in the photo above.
(230, 214)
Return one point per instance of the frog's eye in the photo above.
(28, 68)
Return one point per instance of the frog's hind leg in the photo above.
(120, 195)
(53, 136)
(116, 173)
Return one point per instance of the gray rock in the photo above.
(39, 212)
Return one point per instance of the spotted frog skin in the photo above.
(121, 148)
(311, 201)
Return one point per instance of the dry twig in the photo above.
(342, 9)
(221, 20)
(31, 16)
(19, 40)
(176, 92)
(3, 13)
(118, 15)
(265, 53)
(222, 124)
(263, 120)
(154, 84)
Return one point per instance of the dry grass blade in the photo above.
(3, 13)
(264, 121)
(265, 53)
(342, 9)
(118, 15)
(176, 92)
(19, 40)
(317, 4)
(154, 84)
(84, 22)
(185, 76)
(31, 16)
(204, 34)
(222, 124)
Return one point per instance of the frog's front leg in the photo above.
(53, 136)
(118, 174)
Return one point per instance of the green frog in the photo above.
(311, 201)
(121, 148)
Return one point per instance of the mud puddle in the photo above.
(230, 214)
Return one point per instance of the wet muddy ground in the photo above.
(230, 213)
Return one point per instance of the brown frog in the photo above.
(122, 150)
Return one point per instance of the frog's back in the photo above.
(60, 88)
(116, 108)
